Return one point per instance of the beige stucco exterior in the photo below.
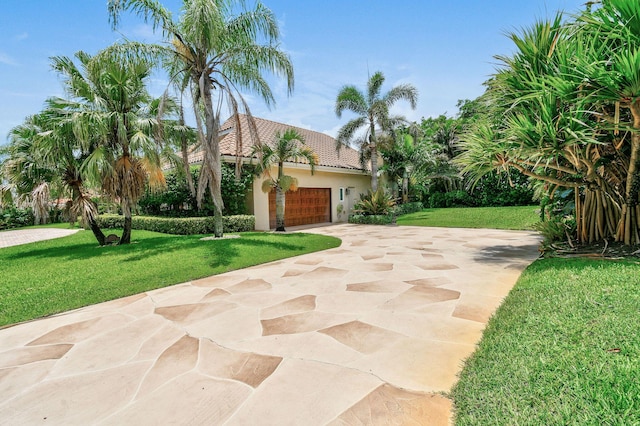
(353, 183)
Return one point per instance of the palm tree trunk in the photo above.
(185, 158)
(91, 219)
(212, 154)
(280, 204)
(126, 231)
(97, 232)
(405, 187)
(374, 161)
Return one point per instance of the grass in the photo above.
(60, 225)
(48, 277)
(521, 217)
(563, 348)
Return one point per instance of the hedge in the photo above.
(406, 208)
(179, 226)
(372, 219)
(12, 217)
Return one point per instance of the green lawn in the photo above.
(57, 275)
(521, 217)
(564, 348)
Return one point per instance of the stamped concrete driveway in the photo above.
(367, 333)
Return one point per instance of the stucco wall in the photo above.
(356, 182)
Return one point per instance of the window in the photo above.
(341, 194)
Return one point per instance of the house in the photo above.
(326, 196)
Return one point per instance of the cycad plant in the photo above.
(286, 147)
(374, 203)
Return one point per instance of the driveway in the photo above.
(370, 332)
(24, 236)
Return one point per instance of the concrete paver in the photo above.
(367, 333)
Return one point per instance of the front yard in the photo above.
(520, 217)
(564, 348)
(48, 277)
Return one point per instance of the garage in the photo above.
(303, 207)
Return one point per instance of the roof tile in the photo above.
(323, 145)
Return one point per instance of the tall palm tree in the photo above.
(287, 147)
(108, 109)
(372, 110)
(219, 52)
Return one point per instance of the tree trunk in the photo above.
(374, 165)
(126, 231)
(280, 204)
(97, 232)
(212, 154)
(374, 154)
(405, 187)
(628, 227)
(91, 220)
(185, 158)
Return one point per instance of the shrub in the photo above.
(176, 200)
(407, 208)
(12, 217)
(376, 219)
(497, 190)
(492, 190)
(374, 203)
(179, 226)
(451, 199)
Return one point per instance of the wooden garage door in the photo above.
(302, 207)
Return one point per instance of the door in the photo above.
(302, 207)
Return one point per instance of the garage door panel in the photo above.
(303, 207)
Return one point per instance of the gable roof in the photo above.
(323, 145)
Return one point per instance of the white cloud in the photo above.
(7, 60)
(22, 36)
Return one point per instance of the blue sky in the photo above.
(444, 48)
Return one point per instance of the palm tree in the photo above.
(287, 147)
(60, 150)
(108, 110)
(214, 50)
(372, 112)
(43, 154)
(27, 177)
(403, 153)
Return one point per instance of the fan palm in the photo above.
(60, 150)
(212, 49)
(287, 147)
(109, 111)
(26, 176)
(372, 110)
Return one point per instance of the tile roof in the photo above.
(323, 145)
